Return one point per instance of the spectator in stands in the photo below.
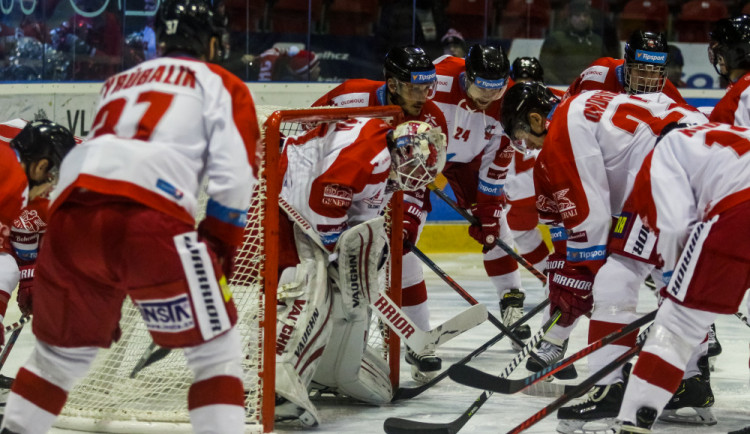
(675, 62)
(453, 43)
(567, 52)
(288, 64)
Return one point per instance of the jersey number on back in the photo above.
(109, 115)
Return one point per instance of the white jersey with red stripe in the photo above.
(595, 145)
(336, 174)
(734, 106)
(693, 175)
(159, 129)
(471, 132)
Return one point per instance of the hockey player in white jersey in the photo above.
(693, 191)
(122, 223)
(593, 146)
(468, 93)
(409, 81)
(338, 179)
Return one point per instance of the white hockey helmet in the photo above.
(417, 155)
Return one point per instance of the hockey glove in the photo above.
(488, 229)
(25, 287)
(555, 261)
(570, 292)
(412, 220)
(223, 251)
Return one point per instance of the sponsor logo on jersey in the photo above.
(558, 234)
(169, 315)
(579, 237)
(374, 202)
(169, 189)
(489, 131)
(497, 173)
(398, 322)
(444, 83)
(423, 77)
(490, 189)
(352, 99)
(30, 221)
(430, 119)
(336, 195)
(595, 73)
(594, 253)
(545, 204)
(651, 57)
(287, 329)
(565, 206)
(329, 234)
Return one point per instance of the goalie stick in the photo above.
(481, 380)
(500, 243)
(411, 392)
(577, 390)
(395, 425)
(153, 354)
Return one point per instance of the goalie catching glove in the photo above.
(570, 292)
(488, 228)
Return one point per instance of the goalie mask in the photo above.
(417, 155)
(729, 48)
(43, 140)
(520, 101)
(645, 63)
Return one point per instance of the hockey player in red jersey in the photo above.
(643, 70)
(339, 178)
(122, 223)
(31, 159)
(693, 192)
(468, 93)
(729, 53)
(409, 81)
(593, 145)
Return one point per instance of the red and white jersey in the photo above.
(693, 175)
(14, 188)
(159, 129)
(336, 174)
(519, 189)
(472, 133)
(608, 74)
(595, 145)
(734, 106)
(267, 61)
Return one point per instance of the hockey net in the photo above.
(155, 399)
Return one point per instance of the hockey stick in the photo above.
(394, 425)
(12, 340)
(153, 354)
(417, 339)
(466, 296)
(742, 318)
(500, 243)
(481, 380)
(18, 324)
(577, 390)
(411, 392)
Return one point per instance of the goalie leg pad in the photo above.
(303, 329)
(349, 366)
(360, 271)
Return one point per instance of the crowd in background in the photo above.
(88, 40)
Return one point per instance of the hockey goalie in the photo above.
(338, 179)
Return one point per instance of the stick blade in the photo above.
(396, 425)
(472, 377)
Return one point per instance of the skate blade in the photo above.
(712, 363)
(599, 426)
(569, 373)
(422, 377)
(689, 416)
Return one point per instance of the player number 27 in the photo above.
(109, 115)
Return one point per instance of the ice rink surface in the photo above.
(447, 400)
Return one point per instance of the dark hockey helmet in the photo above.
(188, 26)
(409, 64)
(487, 66)
(527, 68)
(730, 44)
(646, 55)
(43, 139)
(521, 100)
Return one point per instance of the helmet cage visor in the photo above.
(645, 78)
(417, 159)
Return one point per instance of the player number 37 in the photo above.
(108, 115)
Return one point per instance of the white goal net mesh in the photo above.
(155, 399)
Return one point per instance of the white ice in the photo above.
(447, 400)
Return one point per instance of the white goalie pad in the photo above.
(348, 366)
(303, 323)
(360, 273)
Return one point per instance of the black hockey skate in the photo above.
(693, 393)
(511, 310)
(600, 409)
(645, 417)
(745, 430)
(423, 366)
(551, 354)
